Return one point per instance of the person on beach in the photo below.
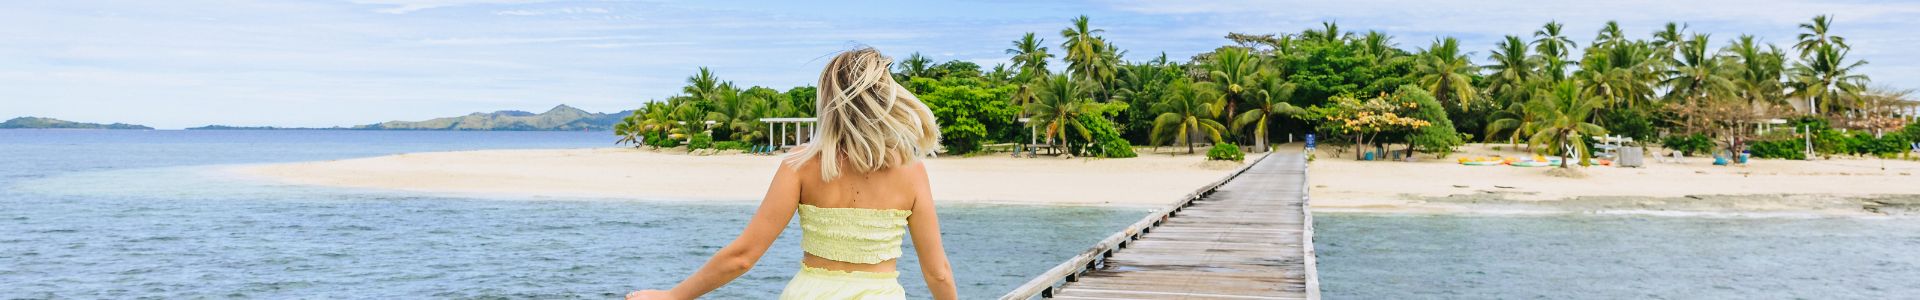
(858, 187)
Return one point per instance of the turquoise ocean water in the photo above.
(142, 214)
(120, 214)
(1587, 256)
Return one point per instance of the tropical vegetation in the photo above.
(1539, 89)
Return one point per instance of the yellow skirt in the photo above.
(816, 283)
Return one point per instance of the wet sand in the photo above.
(613, 173)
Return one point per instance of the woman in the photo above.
(857, 187)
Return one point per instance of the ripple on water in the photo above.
(1611, 257)
(306, 244)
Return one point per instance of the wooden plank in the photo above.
(1079, 263)
(1247, 236)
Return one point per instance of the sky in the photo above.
(185, 63)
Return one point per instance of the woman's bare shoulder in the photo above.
(915, 171)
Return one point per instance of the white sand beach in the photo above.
(1442, 185)
(1339, 183)
(1149, 180)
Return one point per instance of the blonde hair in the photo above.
(867, 121)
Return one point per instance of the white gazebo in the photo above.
(789, 132)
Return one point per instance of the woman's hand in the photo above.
(649, 295)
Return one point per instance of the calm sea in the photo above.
(120, 214)
(1378, 256)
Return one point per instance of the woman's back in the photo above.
(855, 222)
(890, 188)
(859, 189)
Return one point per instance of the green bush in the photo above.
(700, 141)
(1865, 144)
(661, 140)
(1106, 142)
(1225, 151)
(1911, 132)
(1832, 142)
(1784, 149)
(1696, 144)
(732, 145)
(967, 109)
(1628, 123)
(1438, 138)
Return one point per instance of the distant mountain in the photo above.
(225, 127)
(562, 118)
(36, 122)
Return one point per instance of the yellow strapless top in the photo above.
(855, 235)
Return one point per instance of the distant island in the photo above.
(225, 127)
(51, 123)
(560, 118)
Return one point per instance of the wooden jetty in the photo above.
(1246, 236)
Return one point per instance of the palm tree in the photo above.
(1379, 46)
(702, 85)
(738, 112)
(916, 65)
(1328, 33)
(1623, 73)
(1520, 118)
(1757, 71)
(1511, 70)
(1030, 55)
(1140, 86)
(1825, 77)
(999, 74)
(628, 130)
(1058, 108)
(1270, 100)
(1609, 35)
(1104, 69)
(1236, 73)
(1442, 69)
(1698, 74)
(657, 117)
(1553, 48)
(1564, 127)
(1083, 45)
(1817, 36)
(1667, 40)
(1191, 109)
(1550, 42)
(687, 117)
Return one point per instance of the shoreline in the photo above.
(1846, 187)
(1751, 205)
(1836, 187)
(664, 175)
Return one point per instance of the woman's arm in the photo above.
(783, 197)
(924, 223)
